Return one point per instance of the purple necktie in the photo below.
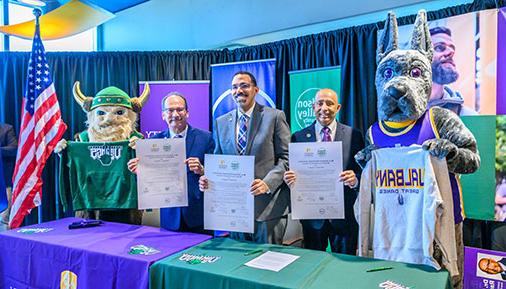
(326, 134)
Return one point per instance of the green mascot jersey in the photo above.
(96, 176)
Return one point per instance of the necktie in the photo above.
(177, 136)
(241, 136)
(326, 134)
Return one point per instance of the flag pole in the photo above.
(37, 12)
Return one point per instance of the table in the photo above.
(313, 270)
(49, 255)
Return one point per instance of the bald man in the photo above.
(341, 233)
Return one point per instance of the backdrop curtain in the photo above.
(353, 48)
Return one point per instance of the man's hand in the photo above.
(131, 142)
(203, 184)
(258, 187)
(194, 165)
(132, 165)
(349, 178)
(289, 177)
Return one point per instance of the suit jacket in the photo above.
(352, 143)
(268, 137)
(9, 146)
(198, 143)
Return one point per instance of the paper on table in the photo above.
(273, 261)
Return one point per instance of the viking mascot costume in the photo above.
(403, 84)
(94, 170)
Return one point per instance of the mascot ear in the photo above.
(83, 100)
(420, 39)
(138, 102)
(389, 39)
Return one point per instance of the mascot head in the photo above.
(112, 114)
(404, 77)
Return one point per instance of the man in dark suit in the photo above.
(198, 143)
(8, 146)
(342, 234)
(253, 129)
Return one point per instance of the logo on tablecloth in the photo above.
(142, 250)
(68, 280)
(391, 285)
(34, 230)
(197, 259)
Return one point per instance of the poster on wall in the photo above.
(464, 63)
(221, 79)
(303, 87)
(197, 97)
(484, 269)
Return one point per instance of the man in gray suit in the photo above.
(253, 129)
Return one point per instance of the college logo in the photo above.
(304, 113)
(222, 164)
(142, 250)
(34, 230)
(234, 165)
(197, 259)
(321, 152)
(105, 154)
(68, 280)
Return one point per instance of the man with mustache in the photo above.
(254, 129)
(342, 234)
(444, 72)
(198, 143)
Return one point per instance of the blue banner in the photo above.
(3, 191)
(221, 79)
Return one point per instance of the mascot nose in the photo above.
(397, 92)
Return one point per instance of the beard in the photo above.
(442, 75)
(117, 129)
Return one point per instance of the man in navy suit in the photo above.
(198, 143)
(342, 234)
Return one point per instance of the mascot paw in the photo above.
(60, 146)
(132, 141)
(440, 148)
(363, 156)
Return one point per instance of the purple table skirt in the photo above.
(49, 255)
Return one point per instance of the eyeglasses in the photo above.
(172, 110)
(243, 86)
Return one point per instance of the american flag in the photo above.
(41, 129)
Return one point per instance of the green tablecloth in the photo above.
(314, 269)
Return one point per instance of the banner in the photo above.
(501, 61)
(478, 189)
(197, 97)
(474, 40)
(303, 87)
(221, 79)
(484, 269)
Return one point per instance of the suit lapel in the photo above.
(229, 132)
(310, 133)
(255, 122)
(190, 139)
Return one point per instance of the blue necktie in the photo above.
(242, 139)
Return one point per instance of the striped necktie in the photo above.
(242, 139)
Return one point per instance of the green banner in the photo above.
(303, 86)
(478, 189)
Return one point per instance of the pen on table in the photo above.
(379, 269)
(253, 252)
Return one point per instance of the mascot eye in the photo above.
(100, 112)
(416, 72)
(388, 73)
(120, 112)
